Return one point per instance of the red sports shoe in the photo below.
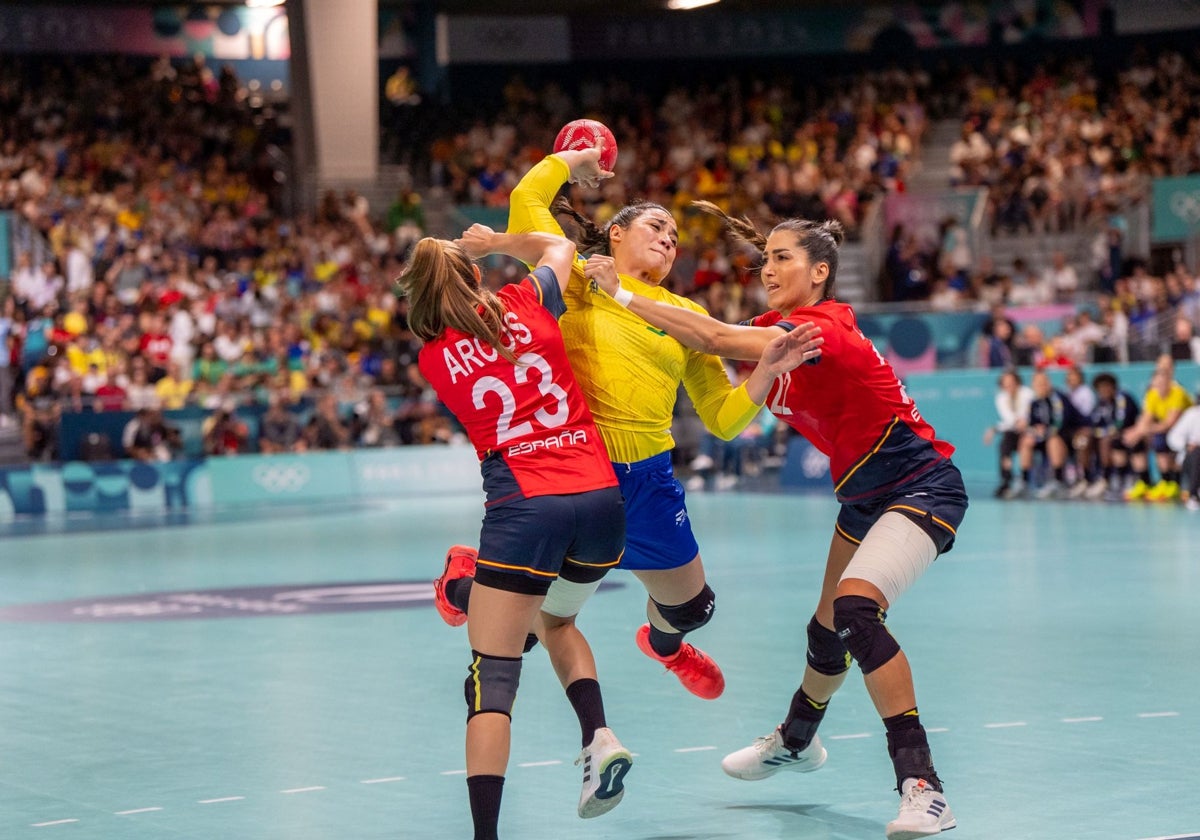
(460, 563)
(695, 668)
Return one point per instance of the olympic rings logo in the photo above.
(281, 478)
(1186, 205)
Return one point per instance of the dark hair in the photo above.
(1013, 372)
(592, 238)
(443, 292)
(1104, 379)
(819, 240)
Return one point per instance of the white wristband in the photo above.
(623, 296)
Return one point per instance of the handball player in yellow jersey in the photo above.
(630, 374)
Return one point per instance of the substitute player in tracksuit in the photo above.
(902, 502)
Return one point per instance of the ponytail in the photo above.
(444, 294)
(820, 240)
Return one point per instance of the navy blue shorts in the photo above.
(525, 543)
(658, 533)
(936, 500)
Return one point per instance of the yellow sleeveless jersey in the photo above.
(628, 370)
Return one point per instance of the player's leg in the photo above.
(680, 601)
(497, 625)
(794, 744)
(899, 547)
(661, 550)
(596, 549)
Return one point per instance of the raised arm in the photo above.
(532, 248)
(691, 329)
(529, 204)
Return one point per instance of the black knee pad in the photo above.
(491, 684)
(859, 622)
(826, 653)
(692, 615)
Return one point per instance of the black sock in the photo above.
(588, 704)
(665, 644)
(1171, 475)
(1025, 476)
(1144, 475)
(458, 592)
(485, 792)
(804, 716)
(909, 748)
(1058, 474)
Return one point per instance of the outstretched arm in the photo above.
(782, 354)
(689, 328)
(533, 248)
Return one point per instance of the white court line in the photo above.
(1005, 725)
(303, 789)
(693, 749)
(540, 763)
(136, 811)
(1193, 836)
(1158, 714)
(219, 799)
(381, 781)
(1082, 720)
(453, 773)
(53, 822)
(849, 737)
(938, 729)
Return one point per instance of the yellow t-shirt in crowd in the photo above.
(629, 371)
(1158, 406)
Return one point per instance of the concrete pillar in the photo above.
(338, 42)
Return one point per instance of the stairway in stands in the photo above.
(12, 447)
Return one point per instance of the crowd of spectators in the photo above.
(1060, 147)
(173, 279)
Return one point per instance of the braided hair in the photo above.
(593, 239)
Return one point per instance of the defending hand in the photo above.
(476, 241)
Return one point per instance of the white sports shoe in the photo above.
(1096, 489)
(605, 764)
(923, 812)
(768, 755)
(1052, 489)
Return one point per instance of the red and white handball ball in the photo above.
(582, 134)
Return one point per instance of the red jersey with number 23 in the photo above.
(851, 406)
(532, 414)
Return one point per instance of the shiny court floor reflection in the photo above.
(234, 675)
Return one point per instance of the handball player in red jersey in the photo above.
(554, 519)
(902, 502)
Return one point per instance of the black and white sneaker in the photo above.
(768, 755)
(924, 812)
(605, 765)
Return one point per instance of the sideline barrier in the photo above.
(960, 404)
(76, 487)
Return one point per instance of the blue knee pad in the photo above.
(826, 653)
(491, 684)
(859, 622)
(691, 615)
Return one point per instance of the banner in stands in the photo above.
(899, 27)
(103, 487)
(1176, 207)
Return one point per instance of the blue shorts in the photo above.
(658, 533)
(936, 500)
(525, 543)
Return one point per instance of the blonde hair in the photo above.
(443, 293)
